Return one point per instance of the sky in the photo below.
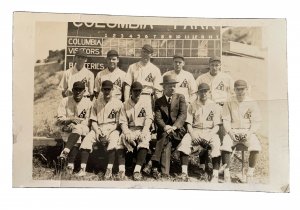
(50, 36)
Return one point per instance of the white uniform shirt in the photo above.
(221, 85)
(135, 114)
(149, 76)
(106, 113)
(203, 116)
(72, 75)
(68, 108)
(241, 114)
(186, 83)
(116, 77)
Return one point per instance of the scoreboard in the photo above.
(195, 43)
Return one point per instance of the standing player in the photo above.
(241, 118)
(186, 82)
(135, 119)
(78, 73)
(203, 124)
(147, 74)
(220, 83)
(73, 115)
(105, 120)
(111, 73)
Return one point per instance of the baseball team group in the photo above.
(126, 112)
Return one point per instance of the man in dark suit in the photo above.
(170, 115)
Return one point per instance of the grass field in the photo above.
(46, 100)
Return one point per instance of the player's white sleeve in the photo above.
(157, 79)
(94, 112)
(194, 86)
(119, 107)
(217, 114)
(226, 116)
(190, 115)
(97, 83)
(91, 83)
(128, 77)
(63, 85)
(123, 117)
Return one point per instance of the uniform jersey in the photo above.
(241, 115)
(203, 116)
(186, 83)
(221, 85)
(68, 107)
(135, 114)
(116, 77)
(72, 75)
(106, 113)
(149, 76)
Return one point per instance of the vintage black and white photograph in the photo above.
(150, 102)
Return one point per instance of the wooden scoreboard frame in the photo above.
(195, 43)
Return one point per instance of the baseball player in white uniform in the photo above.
(135, 119)
(241, 119)
(78, 73)
(220, 83)
(203, 121)
(105, 120)
(186, 82)
(72, 115)
(111, 73)
(147, 74)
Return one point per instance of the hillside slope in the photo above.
(46, 98)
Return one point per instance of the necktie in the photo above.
(169, 100)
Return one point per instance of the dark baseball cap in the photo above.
(178, 56)
(78, 86)
(81, 53)
(112, 53)
(148, 48)
(214, 58)
(240, 84)
(136, 86)
(107, 84)
(203, 86)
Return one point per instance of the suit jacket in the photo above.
(177, 114)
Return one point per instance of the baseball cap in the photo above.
(81, 53)
(78, 85)
(203, 86)
(214, 58)
(112, 53)
(240, 84)
(136, 86)
(107, 84)
(148, 48)
(178, 56)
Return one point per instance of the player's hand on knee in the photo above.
(132, 142)
(233, 136)
(99, 135)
